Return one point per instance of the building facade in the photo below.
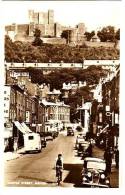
(26, 102)
(105, 113)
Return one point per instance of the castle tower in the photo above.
(41, 18)
(31, 16)
(50, 17)
(36, 18)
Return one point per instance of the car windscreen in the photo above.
(96, 165)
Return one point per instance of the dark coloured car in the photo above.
(93, 173)
(55, 134)
(70, 131)
(43, 142)
(49, 136)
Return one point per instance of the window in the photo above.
(30, 137)
(5, 92)
(100, 117)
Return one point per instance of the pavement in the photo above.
(13, 155)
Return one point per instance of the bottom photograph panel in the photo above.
(61, 125)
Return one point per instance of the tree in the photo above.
(107, 34)
(10, 51)
(36, 79)
(66, 34)
(117, 35)
(89, 35)
(37, 41)
(17, 51)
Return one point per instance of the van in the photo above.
(32, 142)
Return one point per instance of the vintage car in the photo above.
(82, 148)
(49, 136)
(79, 139)
(70, 131)
(93, 173)
(43, 142)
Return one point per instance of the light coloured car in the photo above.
(79, 139)
(82, 148)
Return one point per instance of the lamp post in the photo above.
(23, 61)
(83, 60)
(36, 63)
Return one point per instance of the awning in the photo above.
(104, 129)
(27, 129)
(20, 127)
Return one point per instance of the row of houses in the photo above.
(104, 119)
(100, 117)
(27, 102)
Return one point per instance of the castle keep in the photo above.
(45, 22)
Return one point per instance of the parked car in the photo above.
(43, 142)
(82, 149)
(93, 173)
(81, 135)
(79, 128)
(78, 141)
(55, 134)
(49, 136)
(70, 131)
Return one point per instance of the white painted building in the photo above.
(85, 112)
(57, 111)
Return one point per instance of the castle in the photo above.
(49, 29)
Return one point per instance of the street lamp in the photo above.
(23, 61)
(36, 63)
(83, 60)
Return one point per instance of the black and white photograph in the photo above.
(61, 94)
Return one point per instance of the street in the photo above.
(38, 169)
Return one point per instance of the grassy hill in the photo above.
(19, 51)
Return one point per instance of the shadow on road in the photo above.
(74, 175)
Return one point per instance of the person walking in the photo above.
(117, 158)
(89, 150)
(108, 159)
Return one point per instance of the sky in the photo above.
(95, 15)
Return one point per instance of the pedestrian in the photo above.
(15, 146)
(89, 150)
(117, 158)
(108, 159)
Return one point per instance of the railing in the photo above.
(85, 63)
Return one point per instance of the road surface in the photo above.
(38, 169)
